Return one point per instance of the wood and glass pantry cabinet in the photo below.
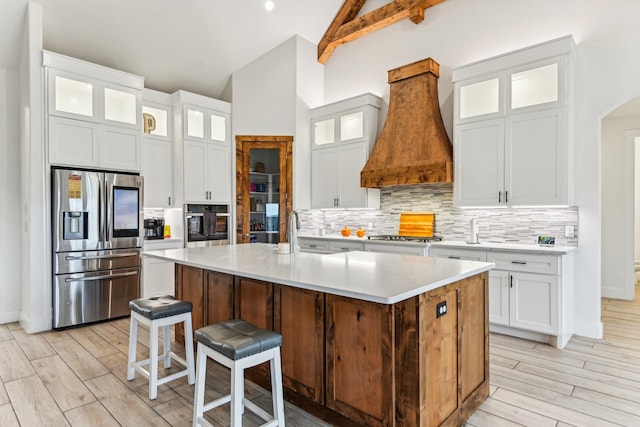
(513, 135)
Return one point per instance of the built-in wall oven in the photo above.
(96, 237)
(206, 225)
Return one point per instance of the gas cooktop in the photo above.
(398, 238)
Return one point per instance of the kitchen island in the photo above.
(368, 338)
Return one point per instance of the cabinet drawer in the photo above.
(528, 263)
(314, 246)
(455, 253)
(345, 246)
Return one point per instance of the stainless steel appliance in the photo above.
(206, 225)
(97, 236)
(153, 228)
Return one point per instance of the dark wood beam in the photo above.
(346, 27)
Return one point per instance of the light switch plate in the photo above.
(569, 231)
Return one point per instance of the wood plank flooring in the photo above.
(77, 377)
(589, 383)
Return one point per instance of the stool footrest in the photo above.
(215, 403)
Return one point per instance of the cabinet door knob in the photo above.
(510, 281)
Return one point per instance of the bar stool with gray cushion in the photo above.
(238, 345)
(160, 312)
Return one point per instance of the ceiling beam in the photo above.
(345, 27)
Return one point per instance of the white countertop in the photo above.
(514, 247)
(507, 247)
(369, 276)
(364, 239)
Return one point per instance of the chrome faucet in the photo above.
(293, 232)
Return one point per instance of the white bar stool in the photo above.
(160, 312)
(238, 345)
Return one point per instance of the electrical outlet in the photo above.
(370, 226)
(441, 309)
(569, 231)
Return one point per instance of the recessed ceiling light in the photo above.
(268, 5)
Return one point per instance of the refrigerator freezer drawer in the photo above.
(89, 297)
(79, 262)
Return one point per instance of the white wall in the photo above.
(10, 200)
(271, 96)
(35, 314)
(459, 32)
(618, 276)
(636, 194)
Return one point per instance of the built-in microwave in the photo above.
(206, 225)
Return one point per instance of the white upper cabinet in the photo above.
(157, 149)
(343, 135)
(203, 149)
(94, 114)
(512, 141)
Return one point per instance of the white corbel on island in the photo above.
(368, 338)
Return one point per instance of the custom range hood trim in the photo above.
(413, 147)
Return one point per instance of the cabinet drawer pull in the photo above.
(499, 196)
(345, 249)
(313, 246)
(454, 257)
(519, 262)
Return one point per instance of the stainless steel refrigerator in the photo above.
(97, 230)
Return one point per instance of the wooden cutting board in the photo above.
(417, 224)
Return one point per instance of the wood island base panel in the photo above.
(422, 361)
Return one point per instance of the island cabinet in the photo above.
(419, 362)
(299, 315)
(359, 338)
(210, 292)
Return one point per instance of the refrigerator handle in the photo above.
(78, 258)
(105, 211)
(105, 276)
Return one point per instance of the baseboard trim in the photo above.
(9, 316)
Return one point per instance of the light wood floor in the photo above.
(78, 377)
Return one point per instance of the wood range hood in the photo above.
(413, 147)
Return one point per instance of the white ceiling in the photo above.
(175, 44)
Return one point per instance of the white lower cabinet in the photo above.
(314, 245)
(533, 302)
(323, 245)
(157, 278)
(387, 248)
(158, 275)
(328, 246)
(530, 295)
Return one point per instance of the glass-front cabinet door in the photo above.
(78, 97)
(120, 106)
(73, 96)
(204, 125)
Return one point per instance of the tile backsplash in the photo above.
(500, 225)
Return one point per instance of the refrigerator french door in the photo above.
(97, 237)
